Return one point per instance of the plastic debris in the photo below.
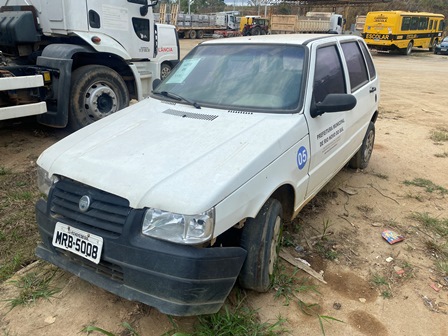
(389, 259)
(392, 237)
(363, 300)
(434, 286)
(398, 270)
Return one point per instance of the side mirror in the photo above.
(334, 102)
(155, 83)
(144, 8)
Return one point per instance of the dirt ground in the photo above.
(352, 212)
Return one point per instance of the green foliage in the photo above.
(428, 185)
(34, 286)
(437, 225)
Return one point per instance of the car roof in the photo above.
(298, 39)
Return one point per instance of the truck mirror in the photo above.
(144, 8)
(334, 102)
(155, 83)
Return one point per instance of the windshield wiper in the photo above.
(177, 97)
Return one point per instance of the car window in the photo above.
(328, 75)
(256, 77)
(368, 58)
(357, 68)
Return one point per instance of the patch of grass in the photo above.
(442, 266)
(416, 197)
(441, 155)
(286, 284)
(128, 330)
(313, 310)
(439, 135)
(364, 208)
(325, 250)
(34, 286)
(380, 175)
(428, 185)
(18, 195)
(437, 225)
(379, 280)
(386, 294)
(240, 320)
(440, 251)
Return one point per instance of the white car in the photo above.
(172, 200)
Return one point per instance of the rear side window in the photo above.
(357, 68)
(368, 58)
(328, 76)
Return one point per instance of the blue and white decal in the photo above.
(302, 157)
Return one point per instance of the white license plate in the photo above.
(443, 49)
(77, 241)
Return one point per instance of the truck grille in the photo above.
(106, 215)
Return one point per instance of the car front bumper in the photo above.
(176, 279)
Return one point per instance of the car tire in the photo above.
(361, 159)
(261, 238)
(408, 49)
(96, 92)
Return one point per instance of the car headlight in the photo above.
(177, 228)
(44, 182)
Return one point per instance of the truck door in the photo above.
(121, 20)
(334, 136)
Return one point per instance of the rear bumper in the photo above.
(175, 279)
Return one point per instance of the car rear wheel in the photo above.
(362, 157)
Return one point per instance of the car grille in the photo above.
(106, 215)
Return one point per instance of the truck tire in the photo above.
(200, 34)
(165, 70)
(362, 157)
(96, 92)
(255, 31)
(261, 239)
(192, 34)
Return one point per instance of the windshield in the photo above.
(265, 78)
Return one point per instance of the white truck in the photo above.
(198, 26)
(312, 22)
(172, 200)
(71, 63)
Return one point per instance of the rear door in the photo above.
(335, 137)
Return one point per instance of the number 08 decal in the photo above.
(302, 157)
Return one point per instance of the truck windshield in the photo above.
(262, 77)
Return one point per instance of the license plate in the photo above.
(443, 49)
(77, 241)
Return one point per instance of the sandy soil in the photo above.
(358, 205)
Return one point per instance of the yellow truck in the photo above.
(401, 31)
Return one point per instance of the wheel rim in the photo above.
(100, 101)
(409, 49)
(274, 246)
(165, 71)
(369, 146)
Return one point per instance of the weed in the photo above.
(313, 310)
(442, 266)
(439, 250)
(441, 155)
(326, 251)
(34, 286)
(379, 280)
(238, 321)
(439, 135)
(416, 197)
(439, 226)
(4, 171)
(392, 223)
(428, 185)
(386, 294)
(380, 175)
(284, 284)
(129, 330)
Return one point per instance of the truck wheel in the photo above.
(362, 157)
(192, 34)
(165, 70)
(255, 31)
(96, 92)
(261, 239)
(200, 34)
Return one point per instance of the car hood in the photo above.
(444, 44)
(173, 157)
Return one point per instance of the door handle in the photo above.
(373, 89)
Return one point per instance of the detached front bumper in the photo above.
(175, 279)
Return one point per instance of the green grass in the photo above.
(437, 225)
(128, 330)
(439, 135)
(428, 185)
(34, 286)
(18, 229)
(379, 280)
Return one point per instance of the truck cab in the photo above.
(176, 199)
